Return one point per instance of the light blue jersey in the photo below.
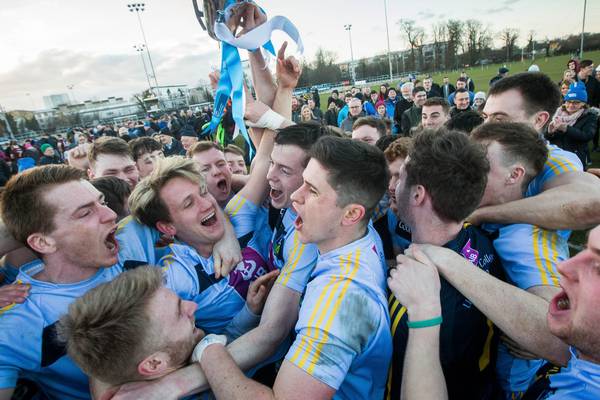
(139, 244)
(343, 331)
(529, 257)
(28, 342)
(579, 380)
(559, 162)
(295, 259)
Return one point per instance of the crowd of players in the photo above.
(425, 263)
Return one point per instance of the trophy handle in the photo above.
(208, 14)
(199, 14)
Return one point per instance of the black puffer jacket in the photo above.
(577, 137)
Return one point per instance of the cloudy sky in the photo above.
(46, 45)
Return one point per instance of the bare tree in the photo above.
(509, 37)
(531, 43)
(439, 36)
(472, 32)
(454, 30)
(414, 36)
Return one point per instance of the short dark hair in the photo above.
(143, 145)
(348, 95)
(418, 89)
(24, 209)
(355, 170)
(108, 145)
(437, 101)
(202, 146)
(520, 142)
(585, 63)
(462, 79)
(116, 192)
(303, 135)
(461, 90)
(538, 91)
(372, 122)
(465, 121)
(383, 142)
(399, 148)
(232, 148)
(452, 168)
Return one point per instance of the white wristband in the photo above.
(204, 343)
(269, 120)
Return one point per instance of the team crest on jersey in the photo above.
(252, 267)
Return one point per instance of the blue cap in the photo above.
(577, 92)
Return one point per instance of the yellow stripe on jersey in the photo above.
(565, 164)
(352, 271)
(554, 271)
(292, 263)
(6, 308)
(550, 260)
(397, 319)
(303, 346)
(484, 360)
(536, 254)
(234, 206)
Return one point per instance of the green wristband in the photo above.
(425, 323)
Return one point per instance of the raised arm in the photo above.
(569, 201)
(519, 314)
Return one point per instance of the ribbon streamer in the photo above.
(231, 81)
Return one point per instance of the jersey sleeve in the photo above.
(243, 215)
(559, 162)
(530, 254)
(19, 344)
(137, 244)
(180, 273)
(300, 261)
(335, 324)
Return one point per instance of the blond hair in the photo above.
(108, 331)
(145, 203)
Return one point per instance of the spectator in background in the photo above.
(432, 89)
(171, 146)
(564, 87)
(110, 156)
(145, 152)
(381, 110)
(235, 159)
(592, 86)
(374, 99)
(568, 76)
(412, 117)
(461, 83)
(383, 92)
(470, 83)
(403, 104)
(49, 155)
(316, 111)
(461, 102)
(368, 130)
(343, 113)
(502, 72)
(390, 102)
(335, 97)
(296, 108)
(479, 101)
(306, 114)
(331, 115)
(573, 65)
(447, 88)
(316, 98)
(188, 137)
(356, 111)
(573, 125)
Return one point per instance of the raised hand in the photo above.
(288, 69)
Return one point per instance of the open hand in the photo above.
(288, 69)
(259, 291)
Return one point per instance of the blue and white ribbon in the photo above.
(231, 83)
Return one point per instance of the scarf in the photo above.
(561, 115)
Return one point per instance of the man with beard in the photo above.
(440, 184)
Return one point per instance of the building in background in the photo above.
(55, 100)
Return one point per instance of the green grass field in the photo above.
(552, 66)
